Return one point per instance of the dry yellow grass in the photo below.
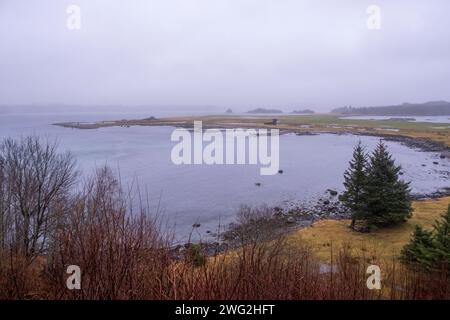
(327, 235)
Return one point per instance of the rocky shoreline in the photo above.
(421, 144)
(266, 223)
(416, 143)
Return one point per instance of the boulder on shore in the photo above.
(332, 192)
(445, 155)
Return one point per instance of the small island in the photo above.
(305, 111)
(263, 110)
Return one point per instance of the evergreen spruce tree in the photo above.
(430, 250)
(442, 240)
(387, 198)
(354, 182)
(420, 249)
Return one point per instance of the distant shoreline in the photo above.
(424, 136)
(227, 122)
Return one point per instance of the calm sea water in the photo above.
(208, 195)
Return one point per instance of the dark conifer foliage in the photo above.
(354, 182)
(374, 192)
(430, 249)
(387, 198)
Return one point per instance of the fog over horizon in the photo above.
(239, 54)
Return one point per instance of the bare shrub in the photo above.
(34, 181)
(35, 178)
(119, 251)
(254, 224)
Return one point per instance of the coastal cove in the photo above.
(210, 196)
(208, 153)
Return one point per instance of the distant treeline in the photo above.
(435, 108)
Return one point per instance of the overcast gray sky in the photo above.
(232, 53)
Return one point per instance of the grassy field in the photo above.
(327, 235)
(437, 132)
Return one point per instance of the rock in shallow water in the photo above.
(290, 220)
(332, 192)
